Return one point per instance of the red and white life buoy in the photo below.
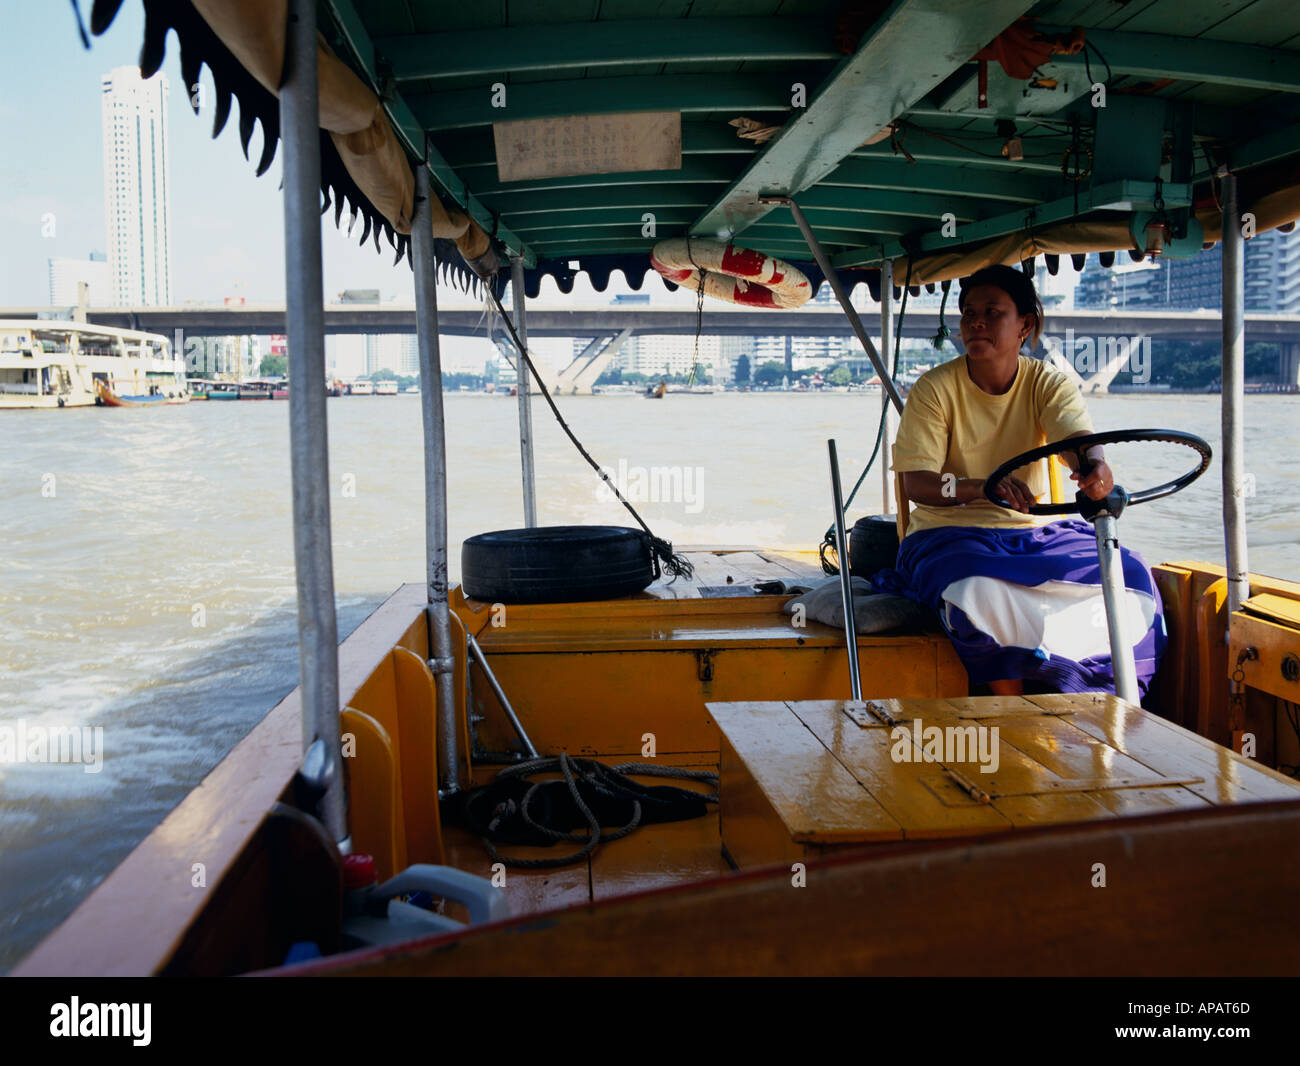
(737, 275)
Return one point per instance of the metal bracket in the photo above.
(315, 775)
(704, 664)
(444, 665)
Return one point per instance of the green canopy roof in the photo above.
(1189, 85)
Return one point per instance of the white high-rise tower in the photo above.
(137, 187)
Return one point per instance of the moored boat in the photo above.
(56, 363)
(109, 398)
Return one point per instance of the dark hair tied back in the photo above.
(1016, 284)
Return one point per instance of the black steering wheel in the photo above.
(1080, 445)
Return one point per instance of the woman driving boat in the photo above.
(1019, 595)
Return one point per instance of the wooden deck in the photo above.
(737, 567)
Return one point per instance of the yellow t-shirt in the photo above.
(951, 426)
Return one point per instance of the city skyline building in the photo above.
(65, 274)
(1271, 269)
(361, 354)
(137, 187)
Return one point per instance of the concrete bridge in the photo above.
(607, 321)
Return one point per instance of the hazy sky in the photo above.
(226, 223)
(227, 235)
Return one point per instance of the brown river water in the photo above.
(146, 576)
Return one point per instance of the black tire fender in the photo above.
(556, 564)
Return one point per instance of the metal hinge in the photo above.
(867, 713)
(704, 664)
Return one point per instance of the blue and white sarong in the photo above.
(1027, 603)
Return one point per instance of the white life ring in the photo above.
(736, 275)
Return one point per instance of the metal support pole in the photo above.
(477, 652)
(846, 581)
(837, 287)
(886, 354)
(1114, 595)
(525, 407)
(435, 480)
(318, 661)
(1234, 371)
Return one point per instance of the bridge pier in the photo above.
(1288, 364)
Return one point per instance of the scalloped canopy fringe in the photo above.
(200, 47)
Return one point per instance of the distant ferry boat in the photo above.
(362, 388)
(385, 388)
(55, 363)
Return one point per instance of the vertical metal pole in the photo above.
(846, 579)
(1114, 596)
(525, 407)
(1234, 376)
(837, 287)
(435, 480)
(318, 662)
(886, 353)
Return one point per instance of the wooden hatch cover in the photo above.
(802, 778)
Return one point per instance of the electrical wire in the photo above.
(1087, 66)
(662, 554)
(983, 137)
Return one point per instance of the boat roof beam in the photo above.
(607, 44)
(843, 230)
(694, 172)
(1114, 195)
(928, 149)
(913, 47)
(461, 108)
(956, 182)
(632, 197)
(472, 148)
(1263, 149)
(1154, 55)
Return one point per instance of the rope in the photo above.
(598, 776)
(943, 332)
(699, 311)
(661, 551)
(646, 769)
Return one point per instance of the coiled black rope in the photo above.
(600, 780)
(661, 551)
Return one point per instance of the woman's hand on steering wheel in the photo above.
(1017, 493)
(1097, 482)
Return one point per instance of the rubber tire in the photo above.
(873, 545)
(555, 564)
